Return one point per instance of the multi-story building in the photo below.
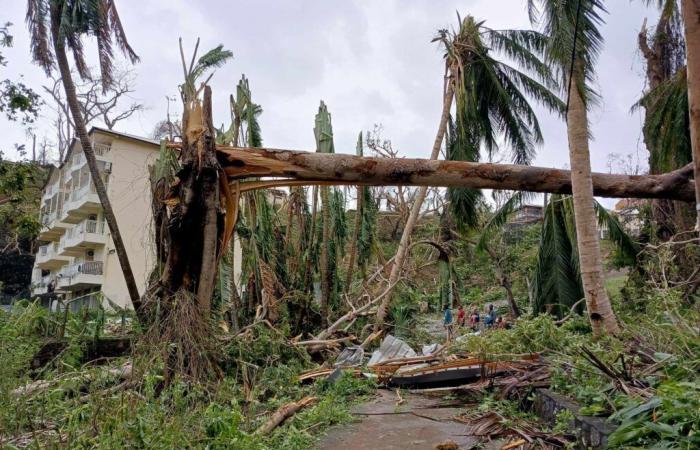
(526, 215)
(78, 259)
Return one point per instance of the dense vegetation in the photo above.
(214, 360)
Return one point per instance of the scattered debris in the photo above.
(391, 348)
(431, 349)
(350, 357)
(39, 386)
(400, 399)
(324, 372)
(492, 425)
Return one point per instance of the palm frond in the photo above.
(556, 280)
(667, 123)
(38, 24)
(565, 22)
(213, 59)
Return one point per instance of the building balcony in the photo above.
(81, 203)
(103, 152)
(49, 257)
(51, 227)
(86, 234)
(87, 274)
(41, 286)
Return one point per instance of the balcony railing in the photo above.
(101, 150)
(86, 268)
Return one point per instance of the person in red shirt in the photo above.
(461, 315)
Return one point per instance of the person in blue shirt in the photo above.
(448, 322)
(490, 317)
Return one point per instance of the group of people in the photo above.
(474, 321)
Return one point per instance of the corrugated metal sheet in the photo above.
(391, 347)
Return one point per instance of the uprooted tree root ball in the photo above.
(181, 340)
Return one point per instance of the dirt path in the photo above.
(420, 422)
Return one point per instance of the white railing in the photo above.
(101, 149)
(92, 226)
(49, 250)
(47, 218)
(82, 192)
(85, 267)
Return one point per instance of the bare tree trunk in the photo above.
(81, 131)
(600, 311)
(691, 20)
(504, 282)
(355, 237)
(325, 270)
(402, 251)
(302, 168)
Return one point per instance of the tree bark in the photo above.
(355, 237)
(402, 251)
(81, 131)
(600, 311)
(325, 269)
(691, 21)
(307, 168)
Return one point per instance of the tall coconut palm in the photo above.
(574, 44)
(61, 25)
(491, 99)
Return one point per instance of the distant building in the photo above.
(526, 215)
(628, 211)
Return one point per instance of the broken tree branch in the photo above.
(283, 413)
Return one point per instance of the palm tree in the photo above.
(574, 44)
(556, 282)
(62, 24)
(691, 20)
(491, 101)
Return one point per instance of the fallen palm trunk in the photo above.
(324, 169)
(39, 386)
(283, 413)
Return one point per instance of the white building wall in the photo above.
(129, 192)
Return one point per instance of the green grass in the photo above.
(615, 284)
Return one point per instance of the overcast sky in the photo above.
(370, 61)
